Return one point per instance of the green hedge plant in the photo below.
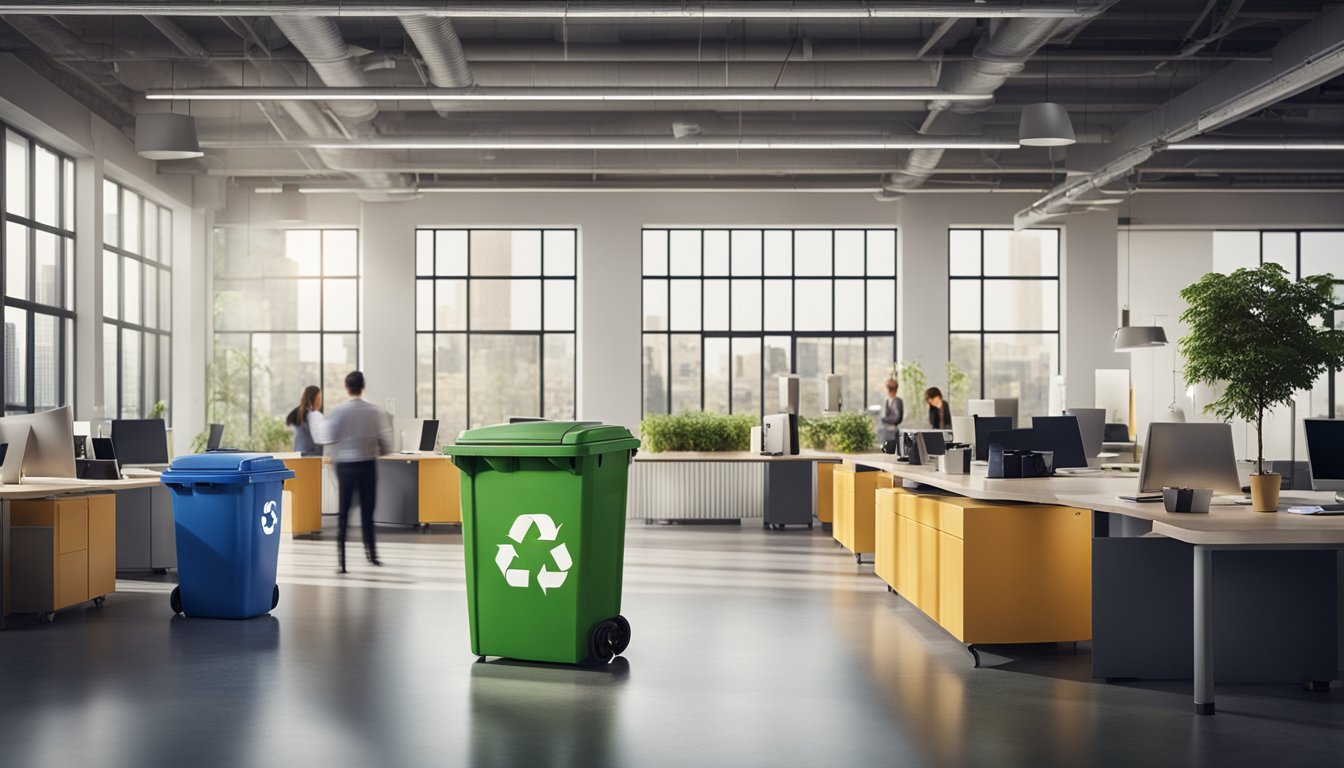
(844, 432)
(691, 431)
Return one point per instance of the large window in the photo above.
(39, 289)
(287, 315)
(137, 302)
(1301, 253)
(494, 325)
(726, 311)
(1003, 313)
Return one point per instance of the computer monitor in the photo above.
(1061, 436)
(51, 449)
(931, 443)
(984, 427)
(832, 391)
(788, 394)
(1189, 455)
(963, 429)
(980, 408)
(140, 441)
(1325, 453)
(1006, 406)
(1116, 433)
(1092, 423)
(429, 434)
(16, 438)
(215, 439)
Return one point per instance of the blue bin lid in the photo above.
(227, 468)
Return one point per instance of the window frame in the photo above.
(793, 334)
(467, 332)
(65, 316)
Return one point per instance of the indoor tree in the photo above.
(1261, 336)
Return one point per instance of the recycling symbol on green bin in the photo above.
(547, 530)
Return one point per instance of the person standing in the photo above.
(940, 413)
(361, 432)
(307, 422)
(893, 413)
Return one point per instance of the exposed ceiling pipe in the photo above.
(1310, 55)
(179, 38)
(76, 56)
(441, 50)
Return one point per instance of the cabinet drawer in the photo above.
(72, 525)
(72, 579)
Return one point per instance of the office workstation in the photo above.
(958, 383)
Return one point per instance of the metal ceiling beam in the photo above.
(550, 93)
(668, 10)
(622, 143)
(1304, 58)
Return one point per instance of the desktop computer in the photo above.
(1189, 455)
(429, 435)
(980, 408)
(1006, 406)
(1061, 436)
(788, 394)
(985, 426)
(779, 434)
(15, 437)
(140, 442)
(834, 387)
(1092, 425)
(216, 438)
(1325, 455)
(51, 447)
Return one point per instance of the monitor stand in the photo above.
(1339, 497)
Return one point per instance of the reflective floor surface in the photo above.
(751, 648)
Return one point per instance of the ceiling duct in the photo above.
(439, 46)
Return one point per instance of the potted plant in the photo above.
(1261, 336)
(911, 376)
(958, 384)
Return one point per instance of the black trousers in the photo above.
(357, 477)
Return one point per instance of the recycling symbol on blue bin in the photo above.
(269, 518)
(547, 530)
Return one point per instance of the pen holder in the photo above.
(1187, 499)
(956, 461)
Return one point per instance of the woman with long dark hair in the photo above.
(306, 421)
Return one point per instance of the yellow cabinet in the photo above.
(302, 512)
(855, 499)
(440, 492)
(62, 552)
(886, 520)
(825, 491)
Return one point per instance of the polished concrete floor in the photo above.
(750, 648)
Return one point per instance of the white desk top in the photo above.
(1034, 490)
(41, 487)
(733, 456)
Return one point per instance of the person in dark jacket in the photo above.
(940, 414)
(893, 413)
(306, 421)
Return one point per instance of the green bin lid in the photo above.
(543, 438)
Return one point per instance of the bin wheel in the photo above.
(608, 639)
(46, 617)
(275, 596)
(175, 600)
(98, 601)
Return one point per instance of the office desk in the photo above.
(81, 537)
(418, 489)
(676, 486)
(303, 514)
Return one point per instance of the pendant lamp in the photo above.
(1045, 124)
(1128, 336)
(166, 136)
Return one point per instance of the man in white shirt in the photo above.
(360, 432)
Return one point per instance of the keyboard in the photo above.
(131, 472)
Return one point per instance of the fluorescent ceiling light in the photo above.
(562, 143)
(1218, 146)
(558, 94)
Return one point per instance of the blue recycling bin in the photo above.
(226, 510)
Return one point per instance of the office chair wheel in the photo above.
(809, 526)
(275, 596)
(46, 617)
(98, 601)
(175, 600)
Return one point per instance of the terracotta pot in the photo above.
(1265, 492)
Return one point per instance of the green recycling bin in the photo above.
(543, 524)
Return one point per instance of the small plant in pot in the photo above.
(1261, 337)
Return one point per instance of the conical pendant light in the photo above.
(1128, 336)
(166, 136)
(1045, 124)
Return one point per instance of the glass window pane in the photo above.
(559, 301)
(450, 381)
(778, 305)
(850, 358)
(151, 353)
(130, 286)
(964, 350)
(151, 235)
(424, 375)
(165, 236)
(504, 305)
(882, 253)
(881, 305)
(46, 186)
(779, 252)
(746, 305)
(450, 253)
(340, 356)
(526, 252)
(746, 253)
(849, 248)
(46, 362)
(684, 253)
(1021, 366)
(1280, 248)
(68, 195)
(424, 307)
(655, 252)
(558, 393)
(165, 362)
(655, 305)
(747, 388)
(450, 305)
(303, 249)
(305, 305)
(778, 362)
(1026, 305)
(1029, 253)
(963, 247)
(165, 300)
(111, 213)
(111, 362)
(16, 260)
(130, 221)
(964, 305)
(505, 253)
(151, 297)
(130, 374)
(111, 285)
(812, 252)
(685, 372)
(68, 275)
(718, 365)
(424, 263)
(282, 365)
(340, 305)
(559, 256)
(716, 305)
(813, 362)
(16, 174)
(685, 305)
(812, 305)
(1323, 253)
(881, 355)
(505, 377)
(340, 255)
(655, 373)
(849, 309)
(716, 252)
